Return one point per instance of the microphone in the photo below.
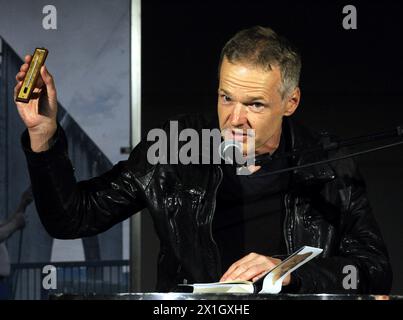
(231, 152)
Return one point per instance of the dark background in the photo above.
(351, 82)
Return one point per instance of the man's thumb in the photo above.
(49, 83)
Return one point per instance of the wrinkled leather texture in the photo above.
(326, 206)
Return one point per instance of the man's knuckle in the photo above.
(254, 270)
(242, 268)
(263, 258)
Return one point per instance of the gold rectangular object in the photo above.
(28, 86)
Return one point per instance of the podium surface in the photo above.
(221, 296)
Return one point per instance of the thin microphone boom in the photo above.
(335, 145)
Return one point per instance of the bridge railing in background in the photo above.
(87, 277)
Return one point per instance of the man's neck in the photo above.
(271, 145)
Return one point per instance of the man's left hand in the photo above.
(252, 267)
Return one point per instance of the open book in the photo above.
(270, 282)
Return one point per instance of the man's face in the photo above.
(250, 98)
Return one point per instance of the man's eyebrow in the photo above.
(250, 99)
(256, 98)
(224, 91)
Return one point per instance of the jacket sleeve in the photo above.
(69, 209)
(361, 248)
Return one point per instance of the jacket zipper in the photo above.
(212, 216)
(287, 209)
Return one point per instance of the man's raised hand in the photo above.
(39, 114)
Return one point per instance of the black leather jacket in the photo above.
(326, 206)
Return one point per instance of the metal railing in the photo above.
(87, 277)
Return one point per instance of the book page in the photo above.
(235, 286)
(224, 287)
(273, 280)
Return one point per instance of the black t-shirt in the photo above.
(248, 216)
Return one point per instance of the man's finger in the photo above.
(20, 76)
(24, 67)
(17, 89)
(257, 277)
(252, 272)
(237, 264)
(28, 58)
(257, 259)
(245, 260)
(248, 270)
(39, 83)
(49, 82)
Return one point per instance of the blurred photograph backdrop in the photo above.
(89, 57)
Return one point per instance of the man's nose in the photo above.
(238, 116)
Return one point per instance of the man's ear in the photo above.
(292, 102)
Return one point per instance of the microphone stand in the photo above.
(328, 145)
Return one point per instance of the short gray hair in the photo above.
(263, 47)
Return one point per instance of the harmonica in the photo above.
(28, 86)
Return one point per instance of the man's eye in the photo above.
(225, 98)
(256, 107)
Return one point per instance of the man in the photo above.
(14, 223)
(212, 223)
